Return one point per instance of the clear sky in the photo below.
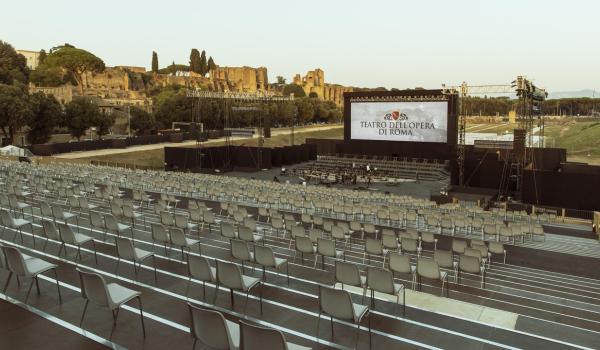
(366, 43)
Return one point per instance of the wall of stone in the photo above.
(314, 81)
(245, 79)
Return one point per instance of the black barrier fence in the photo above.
(48, 149)
(579, 191)
(240, 158)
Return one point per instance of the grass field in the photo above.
(156, 158)
(580, 138)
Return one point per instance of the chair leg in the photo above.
(58, 286)
(154, 263)
(7, 282)
(318, 323)
(29, 290)
(331, 323)
(95, 253)
(139, 298)
(84, 310)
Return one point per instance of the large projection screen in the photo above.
(419, 121)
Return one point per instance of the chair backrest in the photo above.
(250, 223)
(337, 232)
(208, 217)
(298, 231)
(336, 303)
(409, 244)
(326, 247)
(476, 242)
(427, 237)
(199, 268)
(159, 233)
(177, 237)
(166, 218)
(469, 264)
(264, 256)
(373, 246)
(314, 234)
(229, 275)
(110, 222)
(7, 219)
(227, 230)
(245, 233)
(304, 244)
(50, 230)
(389, 240)
(380, 280)
(347, 273)
(45, 209)
(96, 219)
(473, 252)
(181, 220)
(66, 234)
(458, 246)
(277, 223)
(210, 328)
(125, 248)
(443, 258)
(240, 250)
(14, 260)
(400, 263)
(260, 338)
(496, 247)
(428, 268)
(93, 288)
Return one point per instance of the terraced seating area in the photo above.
(391, 167)
(422, 275)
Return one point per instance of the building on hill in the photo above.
(314, 81)
(242, 79)
(33, 58)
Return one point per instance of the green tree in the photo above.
(172, 105)
(211, 64)
(195, 64)
(42, 57)
(103, 123)
(280, 80)
(293, 89)
(306, 110)
(45, 75)
(76, 62)
(13, 66)
(203, 63)
(46, 114)
(15, 110)
(81, 114)
(313, 94)
(142, 122)
(154, 62)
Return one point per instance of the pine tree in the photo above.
(195, 62)
(211, 64)
(203, 64)
(154, 62)
(42, 57)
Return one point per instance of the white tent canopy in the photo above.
(11, 150)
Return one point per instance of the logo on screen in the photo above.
(395, 115)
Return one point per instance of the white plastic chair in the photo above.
(29, 267)
(112, 296)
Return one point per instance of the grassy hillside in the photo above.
(580, 138)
